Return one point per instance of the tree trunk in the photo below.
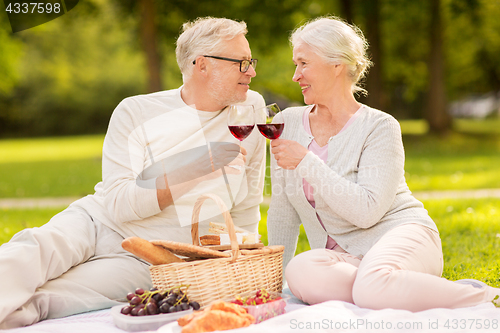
(436, 113)
(374, 81)
(346, 6)
(149, 39)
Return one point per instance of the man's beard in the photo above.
(220, 94)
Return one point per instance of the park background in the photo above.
(436, 69)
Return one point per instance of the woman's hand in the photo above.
(288, 153)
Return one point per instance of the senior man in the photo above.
(161, 151)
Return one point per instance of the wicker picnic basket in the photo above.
(222, 278)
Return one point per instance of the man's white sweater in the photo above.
(147, 131)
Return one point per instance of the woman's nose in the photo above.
(296, 75)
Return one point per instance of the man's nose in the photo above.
(251, 71)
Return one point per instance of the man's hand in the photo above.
(288, 153)
(194, 166)
(230, 156)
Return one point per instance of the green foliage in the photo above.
(10, 52)
(67, 76)
(405, 54)
(472, 47)
(73, 73)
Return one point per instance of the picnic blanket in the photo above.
(332, 316)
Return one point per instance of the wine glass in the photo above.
(264, 121)
(240, 120)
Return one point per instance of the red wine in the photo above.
(271, 131)
(240, 132)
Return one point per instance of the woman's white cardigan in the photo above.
(360, 192)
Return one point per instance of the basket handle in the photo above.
(235, 249)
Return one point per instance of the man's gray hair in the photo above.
(203, 37)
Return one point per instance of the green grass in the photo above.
(302, 244)
(49, 178)
(71, 166)
(475, 126)
(51, 149)
(469, 228)
(470, 235)
(466, 159)
(458, 161)
(15, 220)
(50, 167)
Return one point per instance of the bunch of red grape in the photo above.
(154, 301)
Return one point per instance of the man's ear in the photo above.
(201, 65)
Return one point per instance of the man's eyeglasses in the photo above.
(244, 64)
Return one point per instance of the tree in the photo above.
(374, 81)
(346, 8)
(436, 113)
(149, 41)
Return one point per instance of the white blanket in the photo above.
(333, 316)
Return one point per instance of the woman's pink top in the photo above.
(321, 152)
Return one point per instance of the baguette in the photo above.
(155, 255)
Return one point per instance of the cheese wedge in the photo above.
(220, 228)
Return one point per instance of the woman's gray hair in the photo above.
(336, 41)
(204, 36)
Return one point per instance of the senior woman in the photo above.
(342, 177)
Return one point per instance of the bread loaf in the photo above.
(156, 255)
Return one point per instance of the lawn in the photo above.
(71, 166)
(470, 233)
(466, 159)
(50, 167)
(470, 236)
(460, 161)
